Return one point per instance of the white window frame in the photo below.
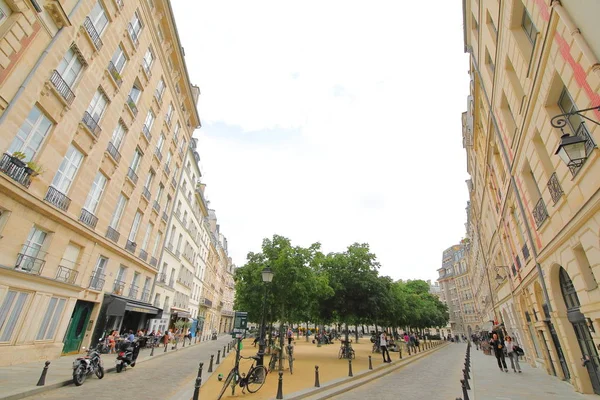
(136, 161)
(135, 226)
(160, 89)
(52, 317)
(136, 24)
(31, 134)
(70, 63)
(149, 121)
(148, 58)
(95, 194)
(157, 241)
(146, 241)
(11, 311)
(96, 19)
(98, 106)
(119, 57)
(65, 175)
(169, 114)
(161, 142)
(118, 213)
(149, 180)
(118, 135)
(135, 93)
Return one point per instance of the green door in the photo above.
(77, 326)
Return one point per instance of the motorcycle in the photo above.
(87, 365)
(127, 355)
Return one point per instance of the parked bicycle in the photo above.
(253, 380)
(275, 354)
(346, 351)
(289, 349)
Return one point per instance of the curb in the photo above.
(342, 385)
(69, 381)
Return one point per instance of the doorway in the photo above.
(77, 326)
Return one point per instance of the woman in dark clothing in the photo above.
(498, 347)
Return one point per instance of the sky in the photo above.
(334, 122)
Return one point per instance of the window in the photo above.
(148, 61)
(177, 128)
(98, 17)
(117, 136)
(137, 159)
(169, 114)
(149, 120)
(122, 274)
(159, 194)
(10, 311)
(135, 93)
(31, 134)
(182, 145)
(157, 241)
(32, 248)
(489, 62)
(567, 105)
(68, 168)
(93, 198)
(135, 27)
(97, 106)
(70, 67)
(116, 217)
(168, 160)
(528, 27)
(135, 226)
(146, 240)
(489, 20)
(119, 59)
(5, 11)
(149, 180)
(51, 319)
(161, 142)
(160, 89)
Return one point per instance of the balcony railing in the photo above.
(57, 199)
(91, 123)
(165, 217)
(526, 254)
(91, 30)
(146, 193)
(97, 281)
(540, 214)
(132, 105)
(145, 296)
(62, 87)
(15, 169)
(88, 218)
(146, 132)
(130, 246)
(158, 154)
(114, 153)
(153, 261)
(132, 176)
(66, 275)
(29, 264)
(116, 75)
(143, 255)
(133, 291)
(118, 287)
(133, 35)
(156, 207)
(112, 234)
(554, 187)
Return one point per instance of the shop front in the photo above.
(176, 315)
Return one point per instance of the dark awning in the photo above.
(117, 305)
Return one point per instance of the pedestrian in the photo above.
(384, 349)
(498, 347)
(512, 354)
(290, 336)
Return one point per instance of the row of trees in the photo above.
(332, 288)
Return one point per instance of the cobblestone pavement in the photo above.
(169, 377)
(433, 377)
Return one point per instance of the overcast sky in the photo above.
(333, 122)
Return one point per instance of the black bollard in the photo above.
(464, 389)
(218, 357)
(198, 383)
(211, 363)
(183, 342)
(350, 367)
(228, 348)
(152, 351)
(400, 351)
(42, 380)
(370, 364)
(280, 386)
(317, 384)
(195, 337)
(224, 351)
(166, 346)
(467, 384)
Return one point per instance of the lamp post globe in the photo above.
(267, 275)
(572, 150)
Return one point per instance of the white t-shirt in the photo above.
(382, 341)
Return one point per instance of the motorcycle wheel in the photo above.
(119, 368)
(100, 372)
(133, 364)
(79, 376)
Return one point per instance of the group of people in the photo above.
(503, 348)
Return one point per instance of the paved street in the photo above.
(168, 377)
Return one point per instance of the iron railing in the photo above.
(156, 207)
(146, 193)
(153, 261)
(526, 254)
(133, 291)
(130, 246)
(91, 30)
(143, 255)
(97, 281)
(145, 296)
(62, 87)
(15, 169)
(158, 154)
(29, 264)
(133, 35)
(66, 275)
(118, 287)
(57, 198)
(146, 132)
(132, 105)
(114, 72)
(114, 153)
(540, 213)
(88, 218)
(554, 187)
(112, 234)
(91, 123)
(132, 176)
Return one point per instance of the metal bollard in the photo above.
(210, 369)
(400, 351)
(224, 351)
(152, 351)
(467, 384)
(183, 342)
(466, 374)
(464, 389)
(42, 380)
(280, 386)
(218, 357)
(350, 367)
(228, 347)
(198, 383)
(370, 364)
(166, 346)
(317, 384)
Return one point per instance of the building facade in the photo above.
(534, 218)
(91, 93)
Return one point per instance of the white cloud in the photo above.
(334, 122)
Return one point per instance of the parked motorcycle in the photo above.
(127, 354)
(87, 365)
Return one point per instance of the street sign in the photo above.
(238, 330)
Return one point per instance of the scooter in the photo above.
(128, 353)
(87, 365)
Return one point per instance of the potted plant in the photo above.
(33, 168)
(17, 158)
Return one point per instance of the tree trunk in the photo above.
(356, 333)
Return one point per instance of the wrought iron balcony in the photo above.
(143, 255)
(132, 176)
(91, 123)
(133, 291)
(116, 75)
(29, 264)
(153, 261)
(91, 30)
(540, 214)
(165, 217)
(88, 218)
(16, 169)
(555, 189)
(146, 132)
(66, 275)
(62, 87)
(146, 193)
(130, 246)
(118, 287)
(57, 198)
(156, 207)
(158, 154)
(133, 35)
(145, 296)
(114, 153)
(132, 105)
(112, 234)
(97, 281)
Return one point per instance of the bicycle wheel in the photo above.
(291, 361)
(272, 362)
(341, 353)
(227, 383)
(256, 378)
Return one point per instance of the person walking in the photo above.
(498, 347)
(290, 336)
(384, 349)
(512, 354)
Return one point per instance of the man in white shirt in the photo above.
(384, 349)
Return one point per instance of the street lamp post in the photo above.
(267, 277)
(574, 149)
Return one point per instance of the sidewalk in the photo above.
(18, 381)
(489, 383)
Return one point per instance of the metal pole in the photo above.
(42, 380)
(280, 386)
(261, 343)
(317, 384)
(210, 366)
(198, 383)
